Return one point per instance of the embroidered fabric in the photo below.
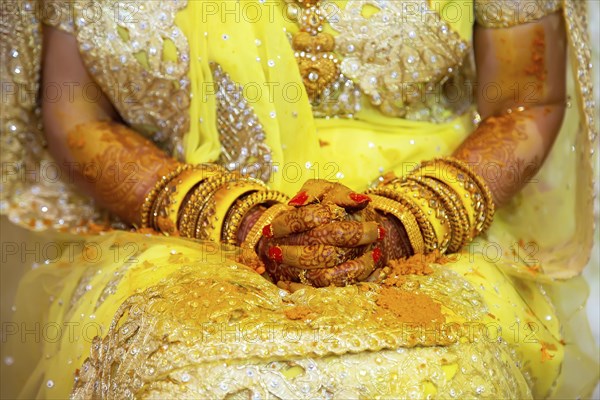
(34, 191)
(507, 13)
(170, 341)
(241, 134)
(398, 54)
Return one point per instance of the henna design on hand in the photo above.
(337, 233)
(305, 218)
(316, 256)
(495, 153)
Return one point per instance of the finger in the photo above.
(321, 191)
(303, 219)
(281, 272)
(377, 276)
(347, 273)
(312, 256)
(345, 197)
(339, 233)
(366, 214)
(312, 191)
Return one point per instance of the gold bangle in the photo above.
(486, 194)
(186, 218)
(196, 201)
(424, 224)
(177, 189)
(407, 219)
(395, 192)
(152, 195)
(226, 196)
(466, 186)
(158, 211)
(455, 211)
(242, 206)
(255, 234)
(431, 205)
(205, 207)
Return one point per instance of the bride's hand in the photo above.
(331, 237)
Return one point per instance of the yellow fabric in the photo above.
(355, 151)
(126, 264)
(86, 290)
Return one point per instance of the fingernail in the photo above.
(267, 231)
(380, 232)
(298, 199)
(359, 197)
(376, 255)
(276, 254)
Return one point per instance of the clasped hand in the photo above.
(331, 236)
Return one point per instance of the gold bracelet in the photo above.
(204, 207)
(187, 218)
(177, 190)
(239, 210)
(468, 190)
(455, 211)
(231, 220)
(432, 207)
(255, 234)
(488, 199)
(151, 197)
(226, 196)
(406, 219)
(193, 207)
(395, 193)
(159, 210)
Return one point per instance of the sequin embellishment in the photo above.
(241, 134)
(392, 50)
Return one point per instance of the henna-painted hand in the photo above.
(332, 237)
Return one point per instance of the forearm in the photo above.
(116, 166)
(112, 163)
(509, 149)
(526, 64)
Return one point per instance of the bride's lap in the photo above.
(156, 316)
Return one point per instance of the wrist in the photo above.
(395, 243)
(248, 221)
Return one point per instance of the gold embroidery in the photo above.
(393, 54)
(241, 134)
(318, 65)
(576, 21)
(123, 49)
(187, 337)
(506, 13)
(34, 191)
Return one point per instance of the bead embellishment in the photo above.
(393, 48)
(241, 134)
(318, 65)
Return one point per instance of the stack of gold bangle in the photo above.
(204, 202)
(449, 201)
(243, 205)
(151, 197)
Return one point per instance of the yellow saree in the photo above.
(131, 315)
